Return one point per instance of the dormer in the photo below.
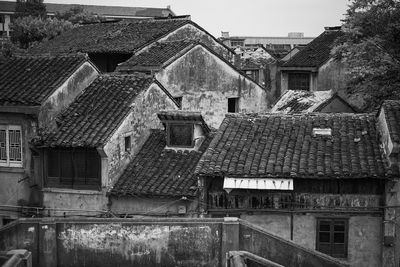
(184, 130)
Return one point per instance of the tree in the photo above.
(77, 15)
(34, 8)
(30, 29)
(370, 50)
(27, 30)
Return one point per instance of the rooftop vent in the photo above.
(322, 131)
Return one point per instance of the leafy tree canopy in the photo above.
(34, 8)
(370, 50)
(77, 15)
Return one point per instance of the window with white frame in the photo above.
(10, 146)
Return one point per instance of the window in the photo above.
(180, 135)
(233, 104)
(254, 74)
(73, 168)
(127, 143)
(178, 100)
(299, 81)
(332, 237)
(10, 146)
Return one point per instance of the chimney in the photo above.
(225, 34)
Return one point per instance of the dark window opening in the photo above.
(127, 143)
(108, 62)
(178, 100)
(73, 168)
(233, 105)
(180, 135)
(332, 237)
(299, 81)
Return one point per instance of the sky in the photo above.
(247, 17)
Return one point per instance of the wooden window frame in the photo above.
(331, 236)
(169, 124)
(8, 162)
(62, 182)
(300, 73)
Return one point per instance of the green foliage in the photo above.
(27, 30)
(34, 8)
(77, 15)
(370, 50)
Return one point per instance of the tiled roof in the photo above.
(117, 37)
(31, 80)
(156, 55)
(93, 117)
(392, 114)
(297, 101)
(317, 52)
(183, 115)
(156, 171)
(7, 6)
(279, 145)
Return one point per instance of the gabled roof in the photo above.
(157, 55)
(117, 37)
(298, 101)
(156, 171)
(94, 116)
(162, 54)
(113, 11)
(317, 52)
(392, 115)
(30, 80)
(283, 146)
(125, 37)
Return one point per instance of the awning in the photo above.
(260, 184)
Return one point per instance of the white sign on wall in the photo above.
(257, 183)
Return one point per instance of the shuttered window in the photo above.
(332, 237)
(10, 146)
(73, 168)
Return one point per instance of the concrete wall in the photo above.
(65, 94)
(141, 205)
(364, 236)
(150, 242)
(16, 182)
(206, 82)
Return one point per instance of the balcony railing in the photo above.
(292, 201)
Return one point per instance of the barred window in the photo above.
(10, 146)
(299, 81)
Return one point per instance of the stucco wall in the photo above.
(137, 124)
(331, 76)
(364, 236)
(65, 94)
(206, 82)
(153, 206)
(15, 182)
